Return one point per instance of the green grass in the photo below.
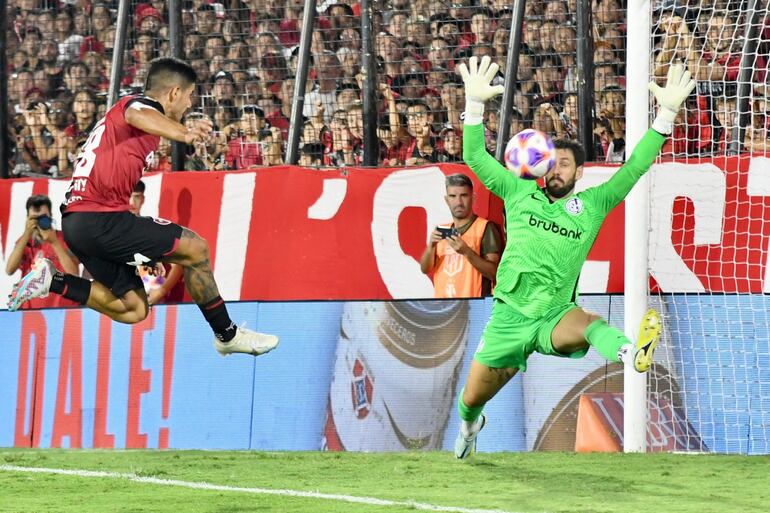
(515, 482)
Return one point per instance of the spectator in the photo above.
(453, 99)
(39, 142)
(224, 87)
(463, 256)
(421, 145)
(225, 119)
(350, 38)
(161, 158)
(440, 54)
(569, 115)
(75, 135)
(206, 20)
(31, 40)
(257, 146)
(41, 240)
(546, 119)
(605, 75)
(481, 26)
(389, 51)
(203, 157)
(147, 19)
(612, 106)
(325, 92)
(102, 21)
(547, 83)
(271, 106)
(725, 112)
(69, 41)
(564, 39)
(347, 94)
(452, 150)
(214, 47)
(755, 139)
(397, 24)
(311, 155)
(556, 10)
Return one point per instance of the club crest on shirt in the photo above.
(574, 206)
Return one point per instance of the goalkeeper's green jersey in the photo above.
(548, 242)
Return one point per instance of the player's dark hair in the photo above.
(458, 180)
(38, 200)
(139, 187)
(167, 72)
(575, 147)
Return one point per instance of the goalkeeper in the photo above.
(550, 232)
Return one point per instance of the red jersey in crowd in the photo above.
(242, 153)
(112, 160)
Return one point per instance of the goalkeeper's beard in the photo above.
(559, 191)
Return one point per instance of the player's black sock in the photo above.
(72, 287)
(216, 315)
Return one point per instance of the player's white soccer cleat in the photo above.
(466, 445)
(33, 285)
(649, 335)
(248, 342)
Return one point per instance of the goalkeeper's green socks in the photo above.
(605, 339)
(468, 414)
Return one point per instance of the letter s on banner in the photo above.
(408, 188)
(705, 185)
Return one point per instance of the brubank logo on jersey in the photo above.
(551, 226)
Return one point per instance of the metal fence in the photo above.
(246, 55)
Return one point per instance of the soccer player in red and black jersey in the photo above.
(110, 241)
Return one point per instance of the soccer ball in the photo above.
(530, 154)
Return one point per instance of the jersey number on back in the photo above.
(87, 157)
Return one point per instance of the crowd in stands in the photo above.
(245, 53)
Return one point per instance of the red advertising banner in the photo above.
(288, 233)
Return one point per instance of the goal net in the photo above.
(709, 232)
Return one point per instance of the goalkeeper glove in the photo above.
(477, 88)
(670, 98)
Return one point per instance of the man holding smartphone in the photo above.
(462, 256)
(41, 240)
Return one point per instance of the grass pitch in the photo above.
(510, 482)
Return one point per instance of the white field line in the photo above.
(258, 491)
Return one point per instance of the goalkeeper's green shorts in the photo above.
(509, 337)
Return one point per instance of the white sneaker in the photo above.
(35, 284)
(247, 341)
(466, 445)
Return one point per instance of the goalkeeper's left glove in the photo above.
(670, 98)
(477, 88)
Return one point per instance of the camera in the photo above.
(44, 222)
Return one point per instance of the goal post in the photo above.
(637, 224)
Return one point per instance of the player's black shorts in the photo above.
(111, 244)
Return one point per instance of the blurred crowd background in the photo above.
(245, 53)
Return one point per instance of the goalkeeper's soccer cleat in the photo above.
(466, 445)
(649, 335)
(34, 284)
(248, 342)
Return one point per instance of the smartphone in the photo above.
(447, 232)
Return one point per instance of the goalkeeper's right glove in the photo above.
(670, 98)
(477, 88)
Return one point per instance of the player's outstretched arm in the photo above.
(153, 122)
(477, 91)
(670, 98)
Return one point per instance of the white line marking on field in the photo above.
(259, 491)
